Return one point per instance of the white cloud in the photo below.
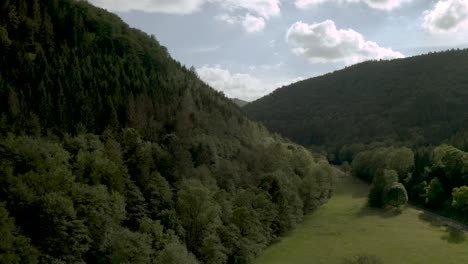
(250, 23)
(447, 16)
(180, 7)
(239, 85)
(263, 8)
(323, 42)
(377, 4)
(231, 20)
(253, 24)
(251, 14)
(257, 13)
(302, 4)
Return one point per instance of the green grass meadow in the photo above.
(344, 228)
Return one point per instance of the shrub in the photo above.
(394, 196)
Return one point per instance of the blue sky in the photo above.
(248, 48)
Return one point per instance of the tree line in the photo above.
(434, 177)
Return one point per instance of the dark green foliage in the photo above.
(14, 248)
(124, 246)
(385, 167)
(419, 100)
(382, 180)
(239, 102)
(394, 196)
(175, 253)
(112, 152)
(366, 164)
(447, 171)
(460, 199)
(433, 177)
(198, 214)
(93, 221)
(435, 194)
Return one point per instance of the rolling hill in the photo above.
(419, 100)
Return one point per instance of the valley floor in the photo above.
(345, 227)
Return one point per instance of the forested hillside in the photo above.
(418, 101)
(112, 152)
(239, 102)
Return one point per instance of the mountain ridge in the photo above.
(418, 99)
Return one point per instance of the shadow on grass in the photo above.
(363, 259)
(454, 235)
(369, 211)
(359, 194)
(430, 219)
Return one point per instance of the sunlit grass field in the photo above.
(344, 228)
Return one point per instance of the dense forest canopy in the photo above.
(112, 152)
(419, 101)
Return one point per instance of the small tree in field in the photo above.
(394, 196)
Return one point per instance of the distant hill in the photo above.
(113, 152)
(239, 102)
(421, 100)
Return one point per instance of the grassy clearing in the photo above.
(344, 228)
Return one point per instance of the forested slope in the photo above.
(112, 152)
(419, 100)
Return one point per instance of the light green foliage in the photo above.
(175, 253)
(452, 162)
(402, 161)
(198, 212)
(460, 199)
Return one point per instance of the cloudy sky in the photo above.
(247, 48)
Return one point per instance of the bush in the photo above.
(394, 196)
